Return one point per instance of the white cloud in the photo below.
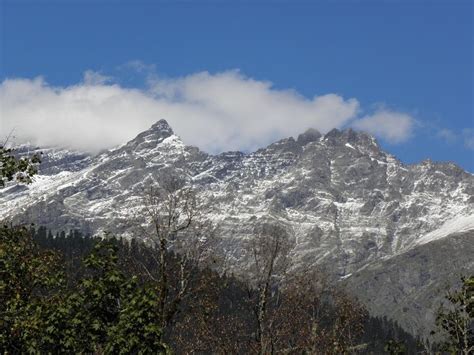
(468, 134)
(447, 135)
(230, 111)
(95, 78)
(138, 66)
(216, 112)
(395, 127)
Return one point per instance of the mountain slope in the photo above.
(343, 201)
(409, 286)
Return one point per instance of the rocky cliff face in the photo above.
(343, 202)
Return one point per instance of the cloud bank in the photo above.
(394, 127)
(216, 112)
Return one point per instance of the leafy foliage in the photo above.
(456, 319)
(20, 170)
(29, 279)
(137, 330)
(104, 311)
(395, 348)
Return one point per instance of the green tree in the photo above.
(137, 330)
(455, 320)
(108, 311)
(29, 278)
(394, 347)
(17, 169)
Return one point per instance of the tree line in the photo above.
(69, 292)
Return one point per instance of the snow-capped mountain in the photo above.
(344, 203)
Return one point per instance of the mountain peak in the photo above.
(349, 135)
(153, 136)
(163, 127)
(310, 135)
(157, 132)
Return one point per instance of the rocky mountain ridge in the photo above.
(343, 202)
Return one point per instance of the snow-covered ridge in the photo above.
(337, 192)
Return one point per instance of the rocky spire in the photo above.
(310, 135)
(162, 127)
(151, 137)
(351, 136)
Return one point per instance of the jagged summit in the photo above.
(350, 135)
(162, 126)
(159, 130)
(151, 138)
(311, 135)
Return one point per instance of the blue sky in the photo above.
(409, 58)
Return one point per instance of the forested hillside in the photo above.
(80, 293)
